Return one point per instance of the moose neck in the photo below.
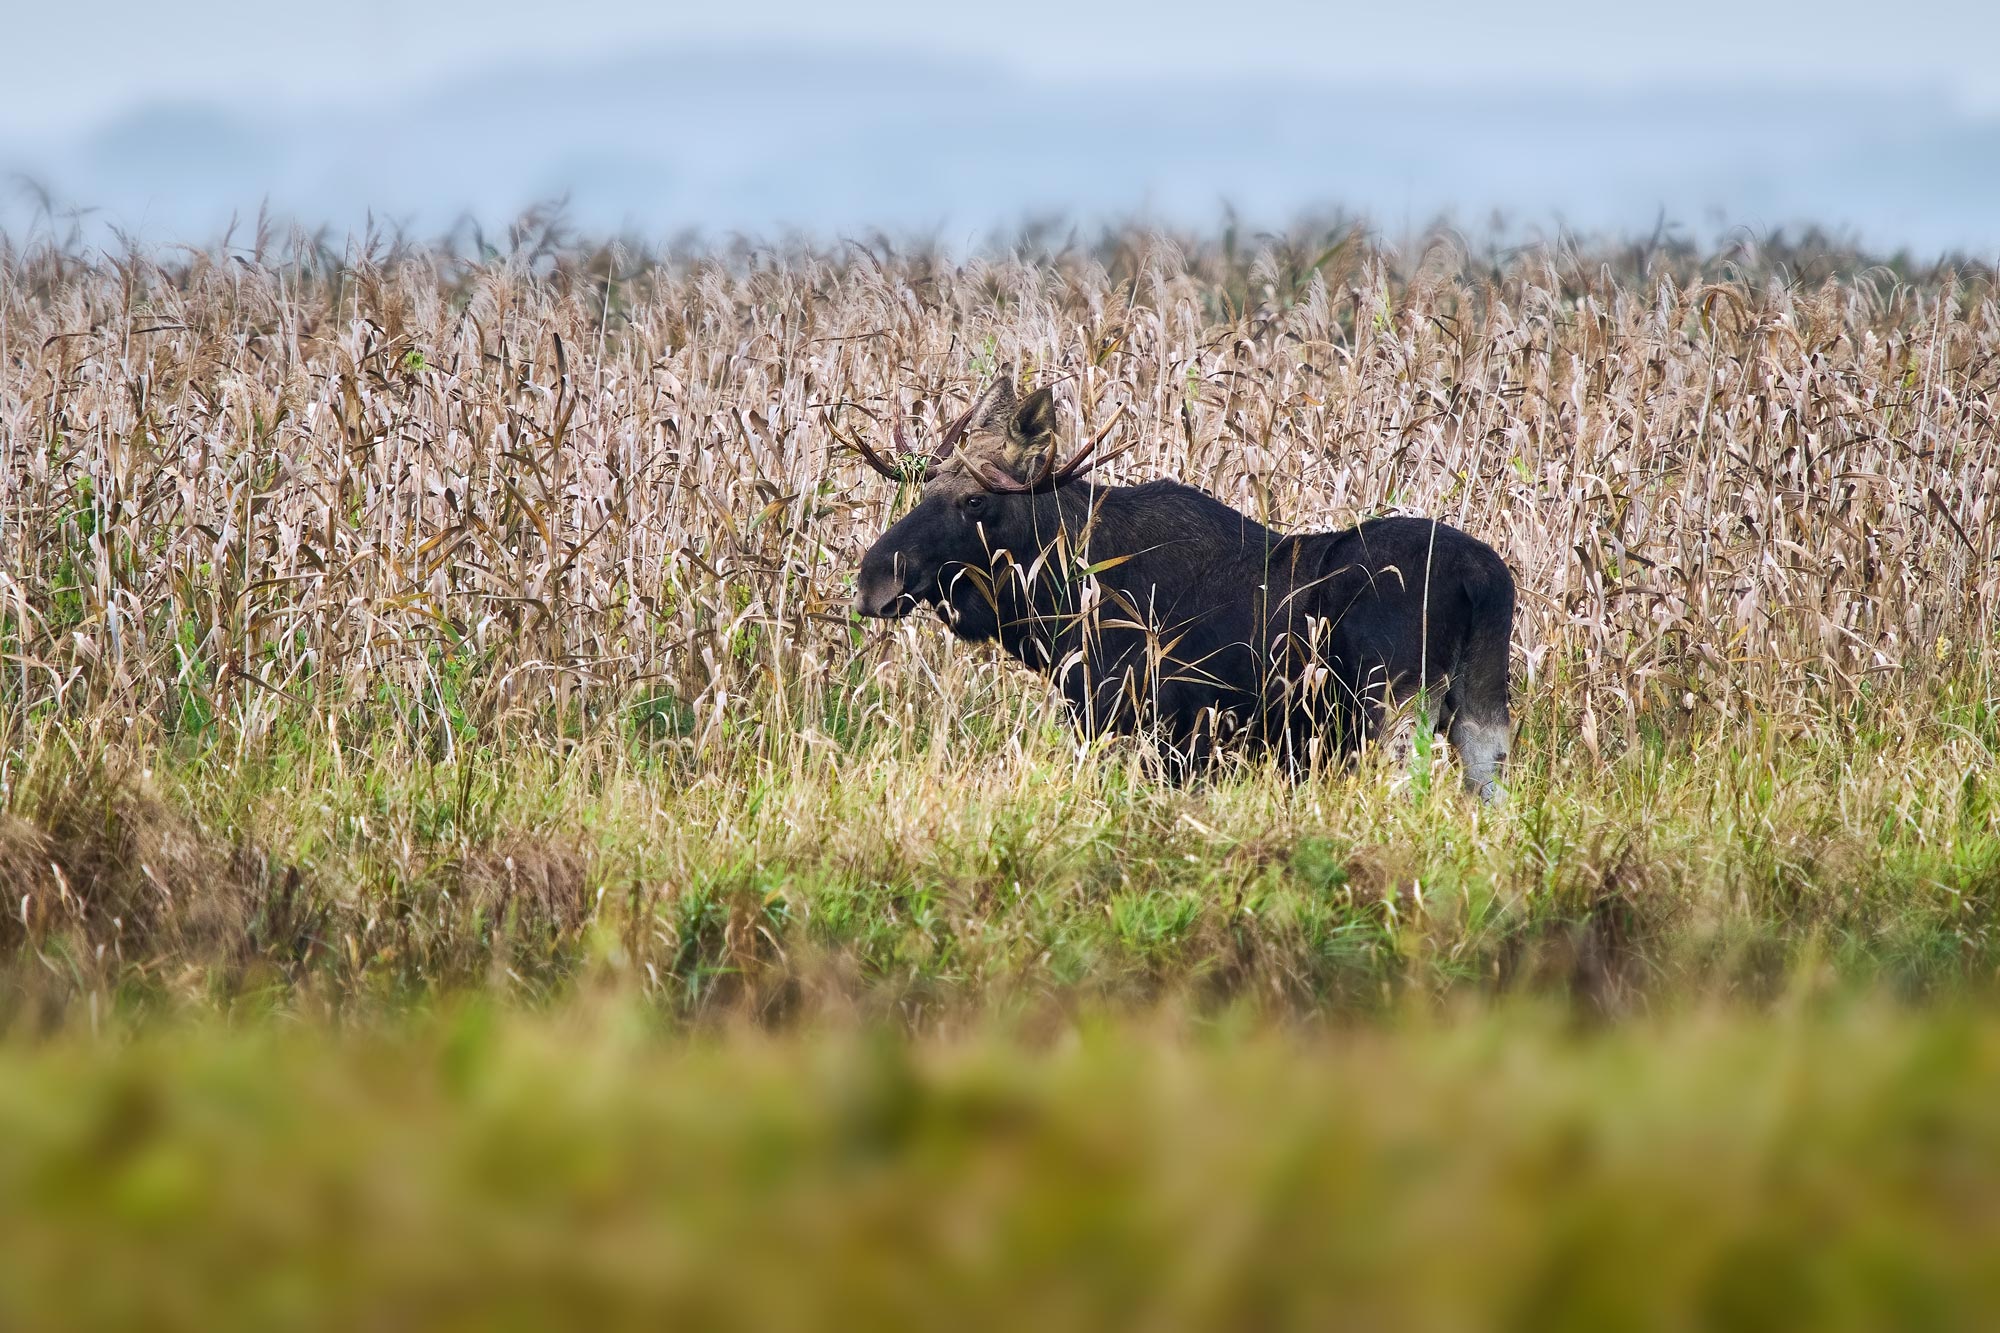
(1039, 624)
(1141, 546)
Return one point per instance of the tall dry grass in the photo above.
(530, 488)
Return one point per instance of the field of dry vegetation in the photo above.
(389, 627)
(390, 617)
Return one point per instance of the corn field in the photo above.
(529, 492)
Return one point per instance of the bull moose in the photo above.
(1158, 608)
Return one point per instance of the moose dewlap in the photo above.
(1158, 608)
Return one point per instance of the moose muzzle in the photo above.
(879, 591)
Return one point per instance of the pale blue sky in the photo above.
(768, 114)
(87, 58)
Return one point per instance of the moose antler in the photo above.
(1047, 475)
(903, 464)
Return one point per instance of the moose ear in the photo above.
(995, 406)
(1035, 418)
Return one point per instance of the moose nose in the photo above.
(878, 593)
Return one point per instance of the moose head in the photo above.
(985, 517)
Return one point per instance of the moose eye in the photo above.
(974, 504)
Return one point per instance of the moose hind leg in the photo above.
(1477, 696)
(1479, 730)
(1481, 742)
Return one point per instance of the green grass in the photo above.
(947, 1023)
(930, 878)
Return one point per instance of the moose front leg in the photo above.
(1187, 724)
(1102, 701)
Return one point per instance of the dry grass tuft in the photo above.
(538, 884)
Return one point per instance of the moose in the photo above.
(1157, 608)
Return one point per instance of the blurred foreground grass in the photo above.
(1833, 1169)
